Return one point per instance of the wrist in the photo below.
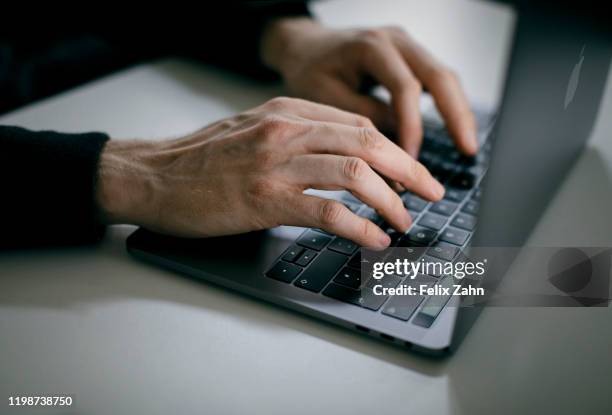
(125, 182)
(283, 41)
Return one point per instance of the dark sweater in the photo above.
(48, 179)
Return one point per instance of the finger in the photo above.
(377, 150)
(334, 217)
(386, 64)
(454, 107)
(325, 171)
(337, 93)
(319, 112)
(446, 90)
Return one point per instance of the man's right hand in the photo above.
(249, 172)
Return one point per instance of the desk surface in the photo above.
(125, 337)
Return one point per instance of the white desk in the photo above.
(125, 337)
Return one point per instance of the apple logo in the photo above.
(572, 85)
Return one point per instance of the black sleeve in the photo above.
(48, 182)
(233, 39)
(75, 50)
(225, 34)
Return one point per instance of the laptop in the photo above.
(554, 84)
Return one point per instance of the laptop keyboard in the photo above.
(331, 266)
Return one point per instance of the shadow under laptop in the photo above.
(110, 275)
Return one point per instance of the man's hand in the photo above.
(249, 172)
(333, 66)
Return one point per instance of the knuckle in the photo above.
(414, 86)
(280, 102)
(396, 30)
(368, 40)
(330, 212)
(354, 169)
(364, 122)
(263, 159)
(374, 34)
(412, 170)
(273, 127)
(396, 202)
(368, 230)
(369, 139)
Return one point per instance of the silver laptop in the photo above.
(554, 84)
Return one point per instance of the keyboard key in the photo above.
(371, 215)
(323, 268)
(435, 266)
(306, 257)
(443, 171)
(455, 195)
(422, 236)
(344, 246)
(448, 165)
(350, 277)
(413, 202)
(292, 253)
(463, 180)
(443, 250)
(364, 298)
(427, 158)
(371, 301)
(463, 221)
(432, 221)
(342, 293)
(387, 281)
(454, 236)
(403, 306)
(411, 253)
(477, 194)
(476, 171)
(443, 207)
(355, 261)
(284, 271)
(313, 240)
(406, 242)
(368, 259)
(395, 236)
(467, 161)
(453, 156)
(434, 305)
(471, 207)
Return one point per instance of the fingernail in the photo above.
(384, 241)
(472, 143)
(407, 222)
(438, 189)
